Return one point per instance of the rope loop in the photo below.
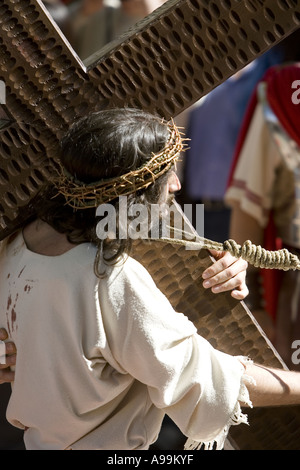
(262, 258)
(253, 254)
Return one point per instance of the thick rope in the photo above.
(262, 258)
(253, 254)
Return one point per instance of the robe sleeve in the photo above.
(197, 386)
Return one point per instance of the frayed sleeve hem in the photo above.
(237, 417)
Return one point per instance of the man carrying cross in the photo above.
(102, 355)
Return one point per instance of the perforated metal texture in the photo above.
(166, 63)
(183, 54)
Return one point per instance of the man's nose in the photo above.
(174, 183)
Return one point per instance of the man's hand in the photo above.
(226, 274)
(7, 375)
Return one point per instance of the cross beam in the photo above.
(164, 64)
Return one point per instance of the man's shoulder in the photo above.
(128, 269)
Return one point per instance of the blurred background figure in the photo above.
(213, 126)
(59, 12)
(264, 192)
(97, 22)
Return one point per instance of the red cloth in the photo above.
(279, 95)
(271, 278)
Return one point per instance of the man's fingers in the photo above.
(240, 294)
(8, 358)
(3, 334)
(9, 361)
(237, 286)
(227, 274)
(224, 270)
(234, 282)
(10, 348)
(6, 375)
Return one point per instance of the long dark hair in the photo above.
(102, 145)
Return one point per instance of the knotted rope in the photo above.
(262, 258)
(253, 254)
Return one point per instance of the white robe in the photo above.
(107, 358)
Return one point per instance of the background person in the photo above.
(98, 22)
(264, 195)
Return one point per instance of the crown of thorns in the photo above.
(81, 195)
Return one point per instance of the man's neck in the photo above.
(41, 238)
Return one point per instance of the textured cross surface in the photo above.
(168, 61)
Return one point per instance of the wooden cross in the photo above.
(164, 64)
(168, 61)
